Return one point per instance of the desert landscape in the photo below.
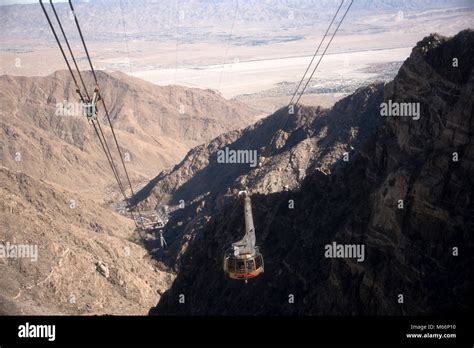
(227, 47)
(183, 80)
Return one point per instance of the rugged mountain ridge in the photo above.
(155, 126)
(56, 189)
(287, 147)
(409, 251)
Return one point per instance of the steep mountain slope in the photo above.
(286, 147)
(86, 263)
(54, 180)
(418, 256)
(155, 126)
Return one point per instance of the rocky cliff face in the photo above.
(286, 147)
(406, 194)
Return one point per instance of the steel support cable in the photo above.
(317, 50)
(126, 38)
(177, 42)
(131, 71)
(320, 58)
(99, 132)
(107, 153)
(121, 158)
(82, 39)
(113, 164)
(103, 103)
(284, 121)
(118, 147)
(228, 42)
(61, 49)
(106, 111)
(104, 147)
(100, 135)
(103, 142)
(69, 48)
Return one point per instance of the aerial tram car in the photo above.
(243, 260)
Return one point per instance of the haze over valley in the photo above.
(255, 51)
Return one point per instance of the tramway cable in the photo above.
(90, 104)
(316, 52)
(105, 108)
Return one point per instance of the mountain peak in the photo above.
(452, 58)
